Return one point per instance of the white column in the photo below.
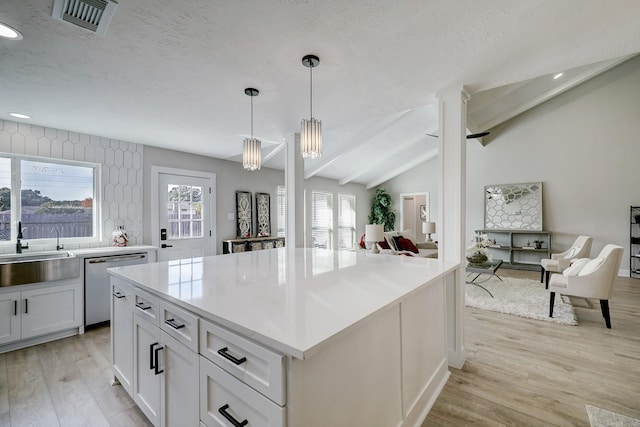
(294, 183)
(451, 215)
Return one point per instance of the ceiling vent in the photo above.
(92, 15)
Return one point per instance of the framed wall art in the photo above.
(243, 214)
(263, 215)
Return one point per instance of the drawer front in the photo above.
(180, 324)
(146, 305)
(253, 364)
(223, 398)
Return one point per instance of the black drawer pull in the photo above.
(173, 324)
(26, 306)
(157, 367)
(152, 364)
(15, 307)
(119, 295)
(141, 306)
(223, 352)
(230, 418)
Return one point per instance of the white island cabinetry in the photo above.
(288, 337)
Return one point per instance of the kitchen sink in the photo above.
(34, 267)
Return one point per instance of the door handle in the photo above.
(156, 355)
(164, 245)
(15, 307)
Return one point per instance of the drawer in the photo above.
(180, 324)
(120, 289)
(146, 305)
(260, 368)
(223, 398)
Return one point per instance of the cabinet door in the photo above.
(146, 373)
(51, 309)
(122, 333)
(9, 317)
(179, 384)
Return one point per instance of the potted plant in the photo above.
(478, 253)
(381, 212)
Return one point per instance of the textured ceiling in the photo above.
(172, 73)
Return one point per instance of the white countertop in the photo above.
(292, 300)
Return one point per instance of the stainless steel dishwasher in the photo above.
(97, 298)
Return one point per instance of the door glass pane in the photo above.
(5, 198)
(56, 196)
(184, 211)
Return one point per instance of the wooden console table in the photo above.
(231, 246)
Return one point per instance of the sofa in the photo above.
(404, 243)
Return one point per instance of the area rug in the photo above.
(520, 297)
(599, 417)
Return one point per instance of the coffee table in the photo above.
(488, 267)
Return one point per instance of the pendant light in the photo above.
(251, 150)
(311, 132)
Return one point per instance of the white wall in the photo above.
(583, 145)
(230, 177)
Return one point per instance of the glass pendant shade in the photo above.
(251, 148)
(251, 154)
(311, 138)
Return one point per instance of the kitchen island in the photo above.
(282, 337)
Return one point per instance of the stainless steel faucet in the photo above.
(19, 245)
(58, 245)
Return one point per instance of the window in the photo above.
(321, 219)
(184, 204)
(281, 201)
(346, 221)
(53, 196)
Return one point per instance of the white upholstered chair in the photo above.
(592, 279)
(581, 248)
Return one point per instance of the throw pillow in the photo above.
(591, 266)
(404, 244)
(388, 236)
(383, 245)
(576, 266)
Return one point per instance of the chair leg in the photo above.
(541, 274)
(552, 298)
(546, 283)
(604, 305)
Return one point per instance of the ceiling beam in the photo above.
(276, 150)
(404, 168)
(563, 86)
(375, 163)
(356, 141)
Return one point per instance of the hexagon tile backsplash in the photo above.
(121, 172)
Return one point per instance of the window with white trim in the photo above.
(321, 219)
(281, 217)
(48, 198)
(346, 221)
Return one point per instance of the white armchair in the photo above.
(581, 248)
(594, 280)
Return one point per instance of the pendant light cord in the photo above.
(311, 89)
(251, 116)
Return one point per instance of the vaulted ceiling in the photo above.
(172, 73)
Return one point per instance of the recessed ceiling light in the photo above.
(557, 76)
(10, 33)
(19, 116)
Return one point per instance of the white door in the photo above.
(9, 317)
(185, 216)
(51, 309)
(146, 372)
(180, 386)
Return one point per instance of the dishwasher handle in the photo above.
(117, 258)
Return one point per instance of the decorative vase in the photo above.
(477, 258)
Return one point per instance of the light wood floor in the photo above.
(518, 372)
(521, 372)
